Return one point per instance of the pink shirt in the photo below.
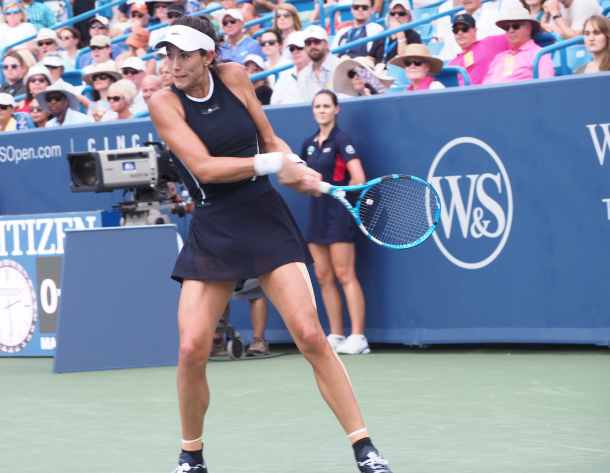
(511, 66)
(423, 85)
(477, 58)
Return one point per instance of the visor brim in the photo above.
(180, 43)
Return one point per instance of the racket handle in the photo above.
(324, 187)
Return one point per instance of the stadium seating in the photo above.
(73, 77)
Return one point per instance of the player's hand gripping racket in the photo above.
(395, 211)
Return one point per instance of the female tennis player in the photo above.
(213, 124)
(332, 231)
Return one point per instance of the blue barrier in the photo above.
(521, 252)
(560, 46)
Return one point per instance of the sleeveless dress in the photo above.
(241, 229)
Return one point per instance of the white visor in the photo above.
(187, 39)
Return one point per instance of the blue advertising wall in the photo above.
(521, 253)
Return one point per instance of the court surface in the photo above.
(450, 409)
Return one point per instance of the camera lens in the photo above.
(84, 172)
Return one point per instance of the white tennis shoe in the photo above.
(354, 345)
(335, 341)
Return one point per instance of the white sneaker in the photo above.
(335, 341)
(354, 345)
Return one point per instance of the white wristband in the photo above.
(268, 163)
(295, 159)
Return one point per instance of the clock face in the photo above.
(18, 309)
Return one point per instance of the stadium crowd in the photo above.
(118, 71)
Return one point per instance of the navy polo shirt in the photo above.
(329, 220)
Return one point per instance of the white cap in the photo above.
(47, 33)
(405, 4)
(232, 12)
(133, 63)
(256, 59)
(52, 60)
(38, 70)
(7, 99)
(314, 31)
(296, 39)
(186, 38)
(102, 19)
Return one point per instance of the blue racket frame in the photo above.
(338, 192)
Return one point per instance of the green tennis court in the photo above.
(450, 409)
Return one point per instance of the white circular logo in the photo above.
(474, 222)
(350, 149)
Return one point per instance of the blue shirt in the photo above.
(40, 15)
(246, 46)
(86, 59)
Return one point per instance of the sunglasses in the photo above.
(309, 42)
(6, 67)
(36, 109)
(293, 48)
(161, 5)
(416, 62)
(398, 13)
(231, 21)
(283, 15)
(115, 99)
(351, 74)
(39, 80)
(95, 48)
(514, 26)
(137, 15)
(4, 107)
(173, 16)
(361, 7)
(269, 42)
(54, 98)
(100, 77)
(46, 43)
(252, 68)
(97, 27)
(463, 29)
(130, 72)
(53, 67)
(12, 12)
(66, 38)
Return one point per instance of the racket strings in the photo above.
(398, 211)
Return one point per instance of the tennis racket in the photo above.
(395, 211)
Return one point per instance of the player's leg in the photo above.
(201, 306)
(330, 291)
(258, 311)
(343, 258)
(219, 347)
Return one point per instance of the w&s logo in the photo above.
(477, 202)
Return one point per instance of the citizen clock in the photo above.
(18, 307)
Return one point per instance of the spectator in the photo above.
(15, 27)
(247, 9)
(271, 42)
(363, 28)
(535, 8)
(265, 6)
(286, 90)
(332, 232)
(55, 64)
(102, 77)
(164, 74)
(7, 107)
(101, 53)
(98, 27)
(517, 62)
(121, 95)
(40, 117)
(420, 67)
(286, 20)
(190, 6)
(63, 105)
(238, 46)
(254, 64)
(79, 7)
(356, 77)
(385, 49)
(567, 17)
(133, 70)
(597, 41)
(138, 16)
(161, 10)
(71, 42)
(37, 79)
(318, 75)
(150, 85)
(48, 42)
(40, 15)
(14, 71)
(137, 43)
(476, 56)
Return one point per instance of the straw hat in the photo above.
(102, 68)
(42, 97)
(343, 84)
(419, 51)
(519, 14)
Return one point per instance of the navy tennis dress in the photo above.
(242, 229)
(329, 220)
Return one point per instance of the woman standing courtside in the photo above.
(332, 230)
(213, 124)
